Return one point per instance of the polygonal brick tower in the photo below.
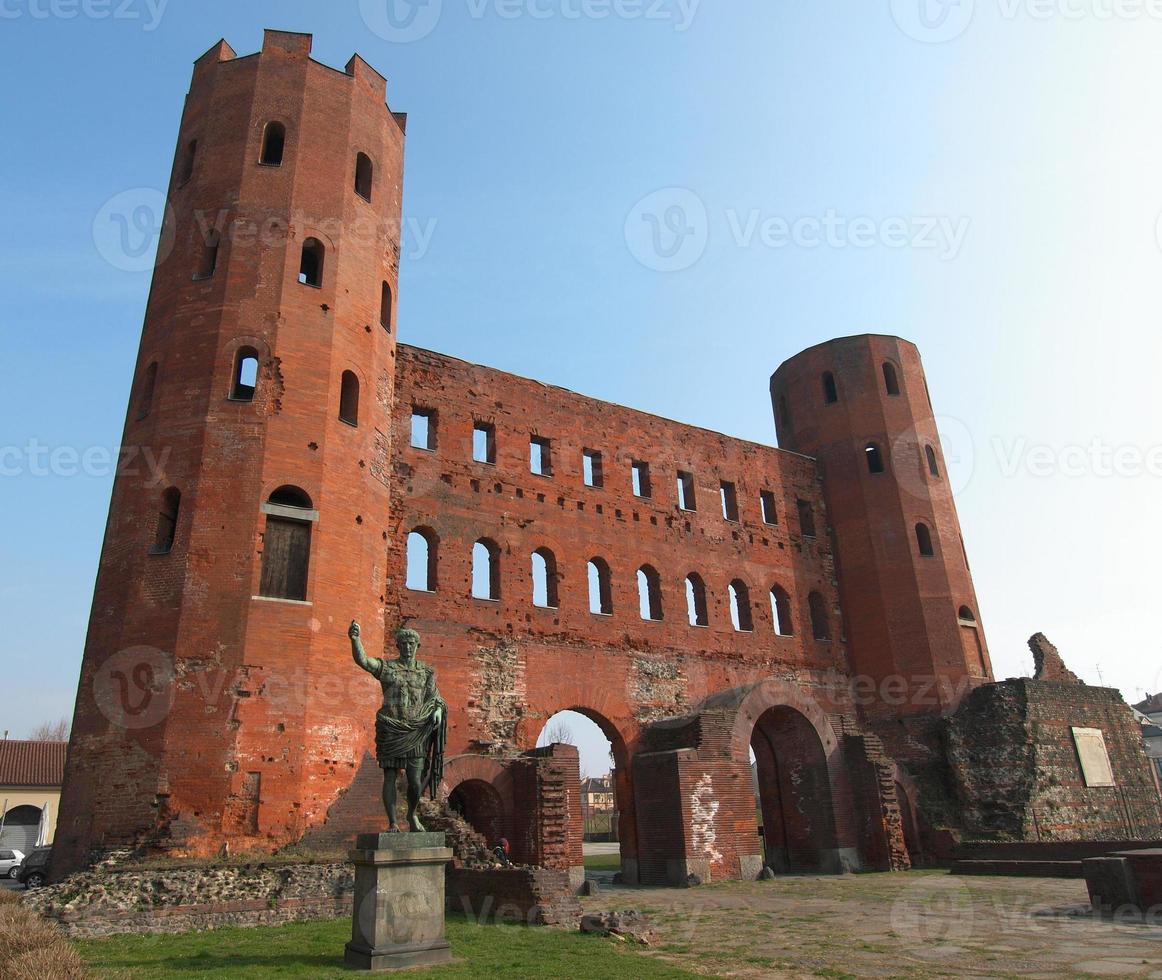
(217, 699)
(861, 406)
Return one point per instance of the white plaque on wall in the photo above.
(1095, 760)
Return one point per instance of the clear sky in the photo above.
(542, 136)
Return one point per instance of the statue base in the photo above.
(398, 917)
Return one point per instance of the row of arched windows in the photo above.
(423, 568)
(887, 369)
(876, 461)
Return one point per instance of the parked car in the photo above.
(33, 871)
(10, 862)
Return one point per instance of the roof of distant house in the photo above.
(1151, 731)
(596, 784)
(32, 763)
(1152, 705)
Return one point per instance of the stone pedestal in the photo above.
(398, 918)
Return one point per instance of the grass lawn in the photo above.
(315, 949)
(603, 862)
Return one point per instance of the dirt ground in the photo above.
(916, 924)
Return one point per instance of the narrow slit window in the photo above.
(696, 607)
(783, 412)
(933, 466)
(649, 589)
(273, 144)
(600, 587)
(385, 305)
(209, 259)
(781, 611)
(486, 570)
(167, 521)
(830, 391)
(187, 165)
(540, 456)
(642, 487)
(591, 469)
(311, 265)
(686, 497)
(770, 511)
(145, 393)
(891, 379)
(245, 381)
(729, 501)
(484, 442)
(349, 398)
(924, 540)
(806, 518)
(286, 545)
(424, 429)
(544, 579)
(741, 616)
(422, 560)
(875, 458)
(820, 621)
(364, 171)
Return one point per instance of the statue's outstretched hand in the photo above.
(353, 632)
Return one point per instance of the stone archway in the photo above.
(481, 806)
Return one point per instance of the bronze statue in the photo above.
(411, 728)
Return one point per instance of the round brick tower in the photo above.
(217, 698)
(860, 405)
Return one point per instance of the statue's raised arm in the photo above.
(358, 654)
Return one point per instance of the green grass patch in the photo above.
(315, 950)
(603, 862)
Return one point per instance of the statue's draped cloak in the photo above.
(406, 730)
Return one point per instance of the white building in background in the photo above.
(30, 790)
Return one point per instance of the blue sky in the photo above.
(993, 197)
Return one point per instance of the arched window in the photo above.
(145, 391)
(830, 392)
(600, 587)
(924, 540)
(422, 560)
(820, 621)
(186, 169)
(740, 612)
(385, 307)
(311, 267)
(486, 570)
(649, 593)
(245, 380)
(696, 608)
(875, 458)
(544, 579)
(349, 399)
(781, 611)
(286, 544)
(209, 260)
(273, 144)
(965, 615)
(891, 379)
(933, 466)
(167, 521)
(363, 176)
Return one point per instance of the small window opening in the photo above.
(349, 398)
(187, 165)
(891, 379)
(770, 511)
(600, 588)
(486, 570)
(875, 458)
(311, 266)
(422, 560)
(540, 456)
(783, 412)
(806, 518)
(696, 608)
(820, 624)
(830, 392)
(781, 611)
(209, 260)
(385, 307)
(965, 615)
(591, 468)
(544, 579)
(245, 381)
(286, 547)
(740, 611)
(649, 592)
(484, 442)
(924, 540)
(167, 521)
(424, 429)
(933, 466)
(273, 144)
(686, 497)
(363, 176)
(145, 393)
(641, 480)
(729, 501)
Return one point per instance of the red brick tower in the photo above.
(217, 697)
(861, 406)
